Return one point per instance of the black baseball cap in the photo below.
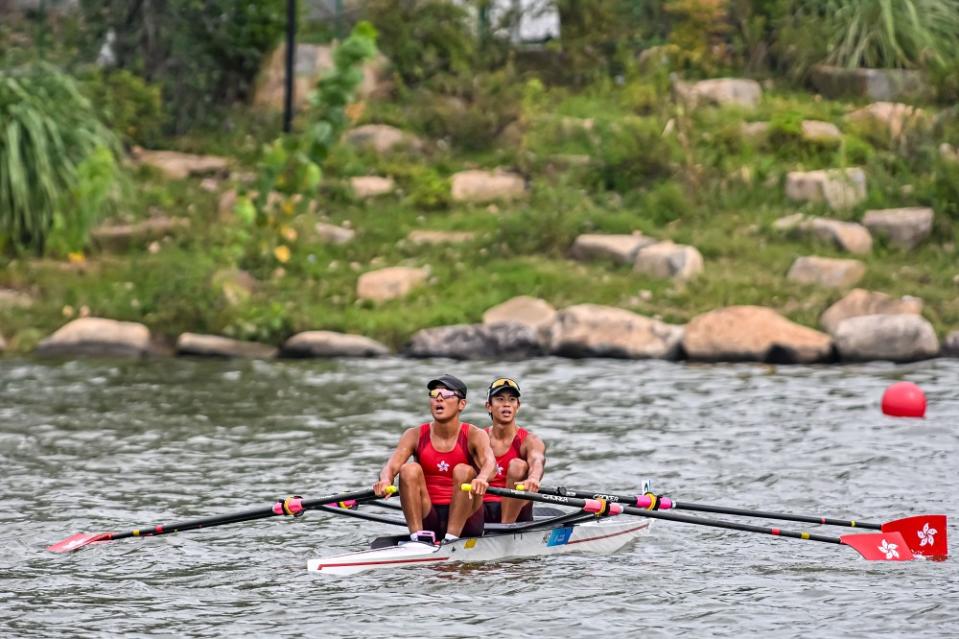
(501, 384)
(450, 382)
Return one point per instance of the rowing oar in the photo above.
(924, 534)
(291, 506)
(873, 546)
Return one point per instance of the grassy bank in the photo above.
(702, 183)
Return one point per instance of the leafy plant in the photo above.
(699, 31)
(631, 153)
(882, 33)
(423, 39)
(56, 159)
(472, 110)
(130, 105)
(290, 165)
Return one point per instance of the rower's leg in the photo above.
(517, 471)
(464, 504)
(413, 496)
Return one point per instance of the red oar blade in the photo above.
(924, 534)
(879, 546)
(77, 541)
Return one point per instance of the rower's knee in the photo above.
(411, 473)
(463, 473)
(517, 469)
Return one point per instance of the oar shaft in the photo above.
(643, 501)
(657, 514)
(296, 505)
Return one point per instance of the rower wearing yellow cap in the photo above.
(520, 455)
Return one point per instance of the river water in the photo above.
(110, 445)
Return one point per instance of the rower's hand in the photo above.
(478, 486)
(530, 485)
(382, 488)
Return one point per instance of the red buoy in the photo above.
(904, 399)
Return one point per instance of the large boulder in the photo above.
(121, 236)
(874, 84)
(668, 260)
(905, 227)
(719, 91)
(381, 138)
(618, 248)
(754, 334)
(331, 344)
(389, 283)
(98, 337)
(839, 188)
(847, 236)
(333, 234)
(887, 121)
(508, 340)
(487, 186)
(950, 346)
(313, 61)
(826, 271)
(528, 311)
(897, 338)
(197, 345)
(424, 236)
(178, 166)
(370, 186)
(862, 302)
(590, 330)
(10, 298)
(819, 132)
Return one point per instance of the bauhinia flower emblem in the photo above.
(443, 466)
(889, 550)
(927, 535)
(499, 470)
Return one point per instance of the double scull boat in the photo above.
(566, 533)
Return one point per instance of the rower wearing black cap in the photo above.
(520, 455)
(446, 453)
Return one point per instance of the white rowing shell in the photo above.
(603, 536)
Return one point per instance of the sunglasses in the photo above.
(443, 393)
(503, 382)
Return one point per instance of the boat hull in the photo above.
(601, 536)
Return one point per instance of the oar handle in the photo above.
(665, 503)
(604, 506)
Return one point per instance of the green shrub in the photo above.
(472, 109)
(423, 39)
(631, 153)
(56, 159)
(128, 104)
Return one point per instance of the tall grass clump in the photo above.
(883, 33)
(57, 161)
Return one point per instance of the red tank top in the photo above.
(502, 462)
(438, 466)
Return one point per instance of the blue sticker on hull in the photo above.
(559, 537)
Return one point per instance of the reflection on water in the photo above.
(95, 446)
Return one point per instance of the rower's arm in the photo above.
(483, 453)
(536, 459)
(404, 449)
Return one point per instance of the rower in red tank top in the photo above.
(446, 453)
(438, 466)
(520, 455)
